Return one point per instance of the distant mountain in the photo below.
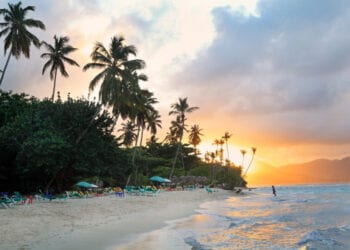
(317, 171)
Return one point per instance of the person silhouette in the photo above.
(274, 190)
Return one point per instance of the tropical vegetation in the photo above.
(51, 144)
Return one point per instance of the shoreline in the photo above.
(96, 223)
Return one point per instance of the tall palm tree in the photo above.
(243, 152)
(195, 136)
(221, 151)
(180, 109)
(143, 109)
(154, 122)
(251, 160)
(18, 38)
(57, 56)
(227, 136)
(129, 133)
(117, 72)
(217, 143)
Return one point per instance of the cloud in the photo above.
(272, 71)
(287, 68)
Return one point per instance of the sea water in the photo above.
(299, 217)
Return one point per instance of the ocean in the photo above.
(299, 217)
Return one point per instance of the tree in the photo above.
(227, 136)
(243, 152)
(18, 39)
(129, 135)
(180, 109)
(154, 122)
(251, 161)
(57, 57)
(194, 137)
(221, 151)
(216, 143)
(117, 72)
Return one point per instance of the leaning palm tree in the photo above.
(18, 39)
(251, 161)
(117, 72)
(243, 152)
(180, 109)
(227, 136)
(57, 55)
(195, 137)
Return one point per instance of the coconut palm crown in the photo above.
(57, 56)
(117, 71)
(15, 27)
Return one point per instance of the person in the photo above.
(274, 190)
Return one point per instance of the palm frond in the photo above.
(70, 61)
(93, 66)
(34, 23)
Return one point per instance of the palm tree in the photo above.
(154, 122)
(18, 38)
(142, 111)
(180, 109)
(217, 143)
(221, 151)
(227, 136)
(128, 135)
(118, 73)
(251, 160)
(195, 137)
(243, 152)
(57, 57)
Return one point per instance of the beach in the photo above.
(96, 223)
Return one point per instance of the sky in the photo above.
(273, 73)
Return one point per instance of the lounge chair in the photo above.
(6, 202)
(209, 190)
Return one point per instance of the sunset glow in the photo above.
(257, 69)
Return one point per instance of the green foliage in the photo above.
(48, 144)
(160, 171)
(203, 170)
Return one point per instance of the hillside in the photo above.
(317, 171)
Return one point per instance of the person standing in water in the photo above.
(274, 190)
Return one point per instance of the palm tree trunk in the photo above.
(176, 155)
(54, 86)
(141, 139)
(228, 155)
(134, 154)
(174, 162)
(3, 72)
(250, 163)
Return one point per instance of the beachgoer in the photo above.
(274, 190)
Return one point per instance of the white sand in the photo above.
(95, 223)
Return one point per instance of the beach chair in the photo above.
(119, 192)
(7, 202)
(209, 190)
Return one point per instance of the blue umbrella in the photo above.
(84, 184)
(157, 178)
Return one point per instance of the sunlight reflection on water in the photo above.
(300, 217)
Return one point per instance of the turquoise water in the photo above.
(299, 217)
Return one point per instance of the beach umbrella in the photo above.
(93, 186)
(157, 178)
(166, 180)
(84, 184)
